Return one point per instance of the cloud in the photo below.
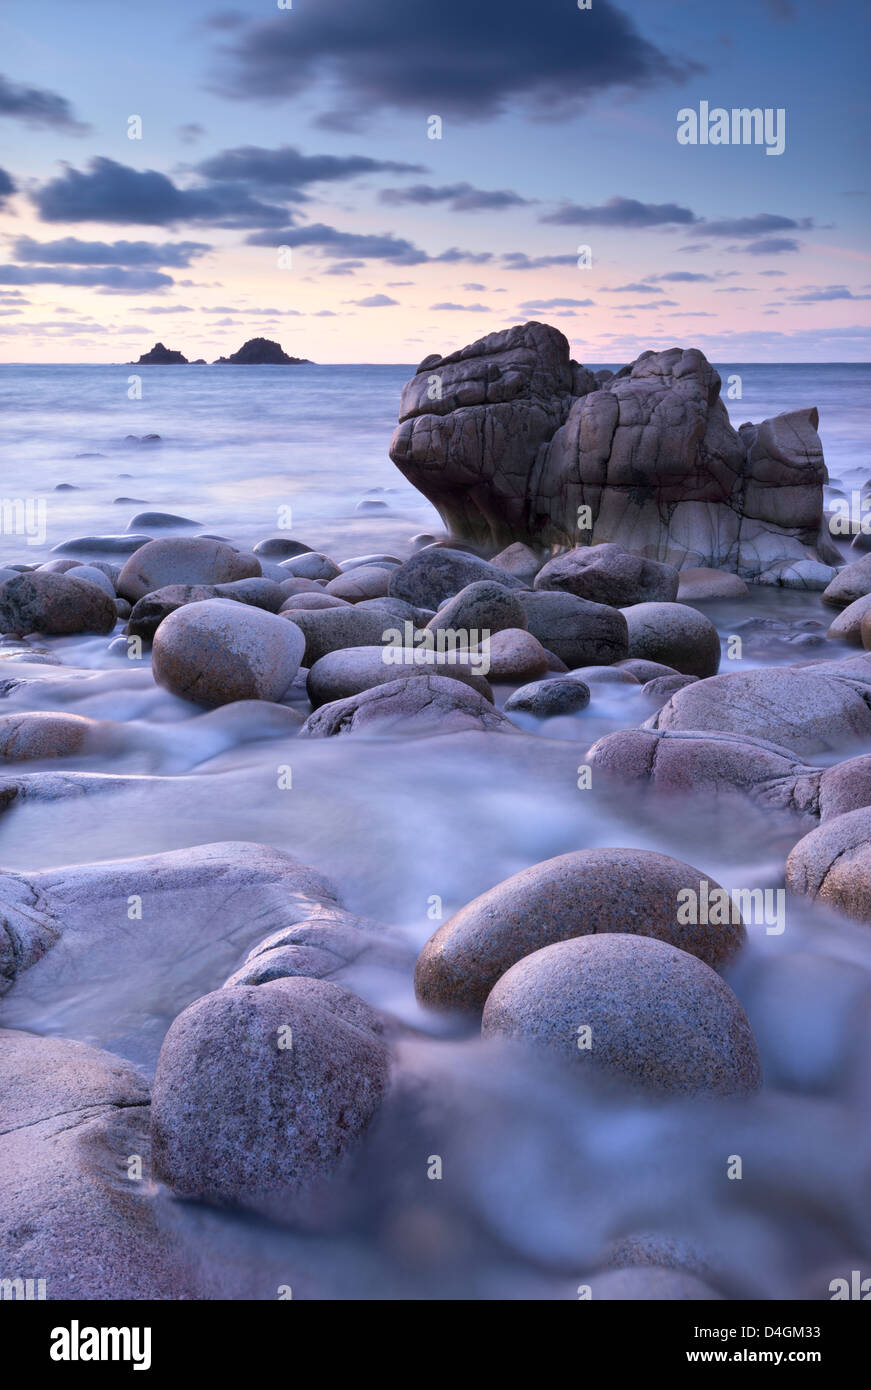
(518, 260)
(472, 286)
(760, 225)
(460, 197)
(550, 57)
(816, 294)
(190, 133)
(620, 212)
(448, 307)
(37, 107)
(166, 309)
(557, 304)
(112, 192)
(678, 277)
(110, 278)
(781, 274)
(632, 288)
(7, 186)
(374, 301)
(339, 244)
(454, 254)
(71, 251)
(780, 9)
(289, 170)
(345, 267)
(771, 246)
(360, 247)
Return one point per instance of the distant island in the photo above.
(161, 356)
(256, 352)
(259, 352)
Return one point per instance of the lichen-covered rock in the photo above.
(263, 1092)
(521, 444)
(584, 893)
(631, 1009)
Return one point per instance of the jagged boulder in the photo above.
(513, 442)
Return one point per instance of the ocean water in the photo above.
(543, 1178)
(239, 445)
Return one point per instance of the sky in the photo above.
(378, 180)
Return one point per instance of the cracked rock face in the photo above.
(509, 438)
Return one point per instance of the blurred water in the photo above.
(237, 444)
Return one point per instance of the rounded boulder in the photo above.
(630, 1009)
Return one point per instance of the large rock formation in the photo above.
(513, 441)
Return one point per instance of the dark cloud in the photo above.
(112, 192)
(38, 107)
(448, 307)
(620, 212)
(71, 251)
(7, 186)
(460, 197)
(110, 278)
(761, 225)
(459, 60)
(286, 169)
